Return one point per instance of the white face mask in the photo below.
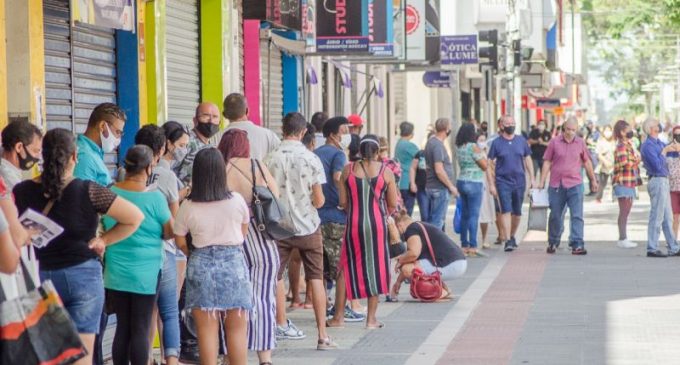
(179, 153)
(109, 143)
(345, 141)
(481, 145)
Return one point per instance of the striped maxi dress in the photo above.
(365, 254)
(262, 257)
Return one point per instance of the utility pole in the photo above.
(514, 104)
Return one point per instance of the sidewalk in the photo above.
(612, 306)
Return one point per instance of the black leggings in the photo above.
(133, 314)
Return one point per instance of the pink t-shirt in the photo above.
(213, 223)
(567, 158)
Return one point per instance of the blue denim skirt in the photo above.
(218, 279)
(621, 191)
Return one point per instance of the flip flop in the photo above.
(328, 325)
(379, 326)
(296, 306)
(391, 299)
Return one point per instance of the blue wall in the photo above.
(127, 71)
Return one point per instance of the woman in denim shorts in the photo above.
(71, 260)
(218, 281)
(626, 178)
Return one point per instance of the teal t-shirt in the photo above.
(91, 164)
(133, 264)
(404, 152)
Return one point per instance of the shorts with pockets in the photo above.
(510, 199)
(311, 252)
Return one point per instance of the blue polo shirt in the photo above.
(509, 156)
(90, 165)
(333, 160)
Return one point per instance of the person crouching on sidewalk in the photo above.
(451, 261)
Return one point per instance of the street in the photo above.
(612, 306)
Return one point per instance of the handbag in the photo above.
(426, 287)
(271, 217)
(458, 215)
(36, 328)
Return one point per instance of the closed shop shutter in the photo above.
(183, 59)
(271, 73)
(80, 69)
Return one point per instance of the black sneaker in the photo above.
(676, 253)
(656, 253)
(551, 248)
(579, 251)
(514, 242)
(509, 247)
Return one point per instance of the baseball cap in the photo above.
(355, 120)
(333, 125)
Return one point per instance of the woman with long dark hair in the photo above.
(71, 260)
(626, 178)
(470, 184)
(132, 267)
(262, 256)
(368, 194)
(217, 273)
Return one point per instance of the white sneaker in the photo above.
(626, 244)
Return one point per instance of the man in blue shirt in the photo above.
(103, 134)
(510, 158)
(333, 219)
(660, 215)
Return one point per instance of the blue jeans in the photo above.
(168, 308)
(81, 288)
(471, 197)
(423, 205)
(438, 200)
(409, 200)
(560, 199)
(660, 215)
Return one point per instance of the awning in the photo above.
(291, 47)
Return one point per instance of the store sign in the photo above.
(342, 26)
(437, 79)
(117, 14)
(309, 24)
(458, 49)
(380, 28)
(415, 30)
(412, 19)
(282, 13)
(547, 103)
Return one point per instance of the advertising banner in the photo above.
(342, 26)
(309, 24)
(117, 14)
(415, 30)
(437, 79)
(458, 49)
(282, 13)
(432, 30)
(380, 28)
(399, 22)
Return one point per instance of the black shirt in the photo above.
(445, 250)
(77, 212)
(537, 150)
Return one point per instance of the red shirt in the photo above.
(567, 158)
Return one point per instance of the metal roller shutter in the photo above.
(183, 59)
(272, 86)
(80, 69)
(241, 62)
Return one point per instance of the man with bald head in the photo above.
(510, 159)
(563, 159)
(262, 140)
(206, 126)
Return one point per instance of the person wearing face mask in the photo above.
(133, 265)
(653, 153)
(405, 152)
(262, 140)
(626, 178)
(605, 147)
(564, 158)
(103, 134)
(484, 126)
(333, 220)
(204, 134)
(21, 149)
(538, 140)
(177, 140)
(510, 158)
(440, 183)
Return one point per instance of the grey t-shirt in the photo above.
(165, 181)
(435, 151)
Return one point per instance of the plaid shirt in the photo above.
(626, 166)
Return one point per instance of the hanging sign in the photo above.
(399, 26)
(342, 26)
(117, 14)
(432, 30)
(458, 49)
(415, 30)
(380, 28)
(437, 79)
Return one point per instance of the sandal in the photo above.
(294, 306)
(379, 326)
(328, 325)
(579, 251)
(326, 344)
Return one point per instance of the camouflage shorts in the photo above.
(333, 235)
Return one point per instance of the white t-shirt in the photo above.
(296, 170)
(262, 140)
(215, 223)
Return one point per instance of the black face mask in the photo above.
(630, 135)
(207, 129)
(25, 163)
(509, 129)
(484, 128)
(676, 137)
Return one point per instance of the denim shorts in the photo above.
(621, 191)
(218, 279)
(511, 199)
(81, 288)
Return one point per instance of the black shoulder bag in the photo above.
(271, 217)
